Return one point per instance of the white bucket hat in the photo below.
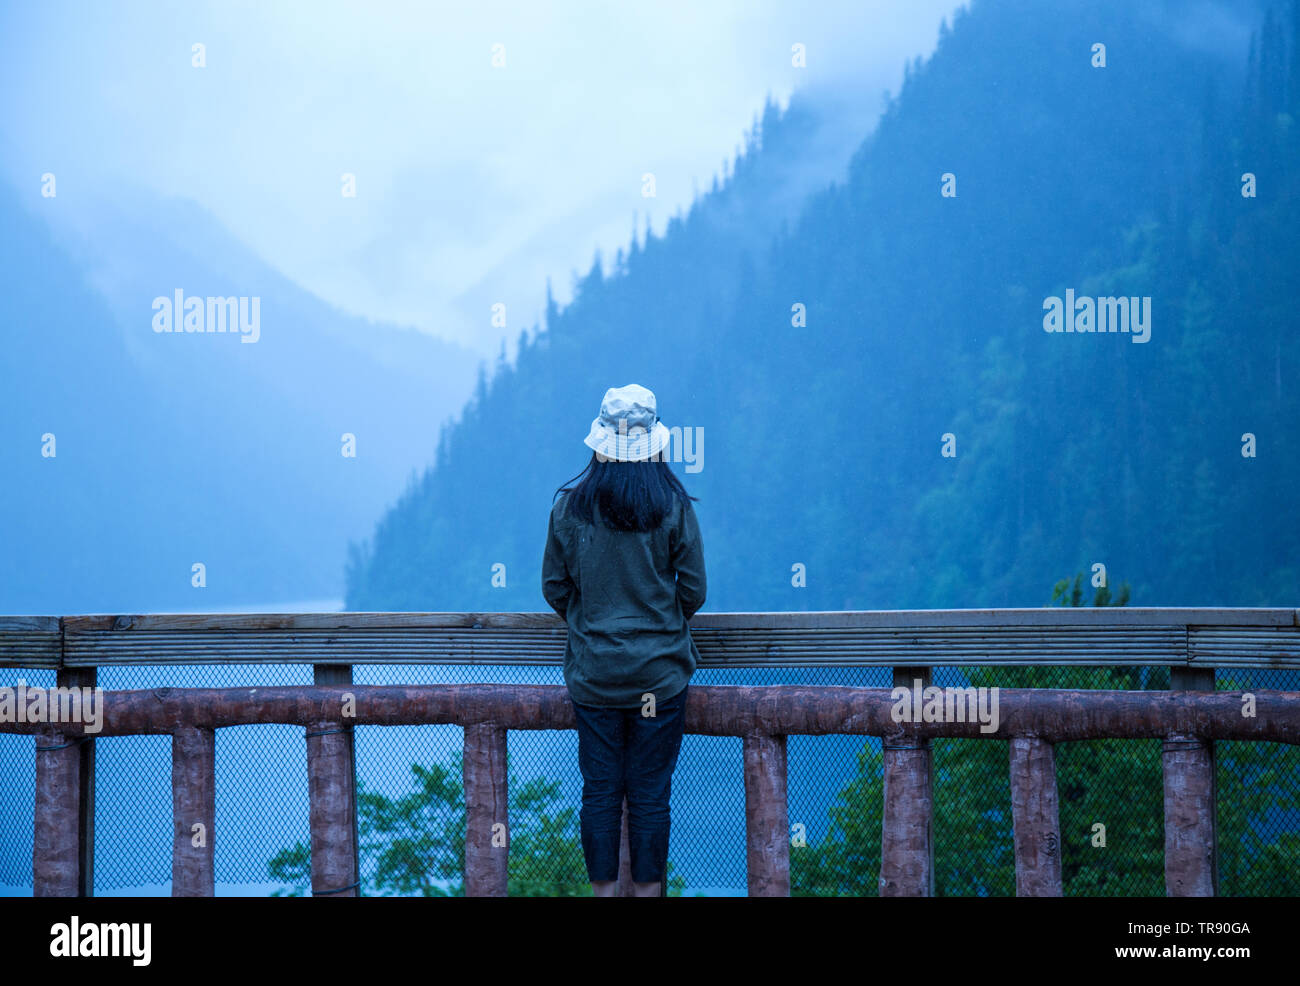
(628, 428)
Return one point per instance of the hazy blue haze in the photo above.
(822, 442)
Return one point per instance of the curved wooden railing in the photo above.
(1189, 719)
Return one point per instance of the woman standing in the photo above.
(624, 566)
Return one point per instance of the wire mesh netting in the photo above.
(411, 805)
(18, 792)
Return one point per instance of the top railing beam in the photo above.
(1191, 637)
(804, 620)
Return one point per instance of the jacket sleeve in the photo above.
(688, 560)
(557, 586)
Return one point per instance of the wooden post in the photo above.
(767, 825)
(1190, 869)
(907, 829)
(1191, 832)
(332, 793)
(56, 848)
(63, 834)
(1191, 802)
(194, 811)
(1035, 818)
(487, 825)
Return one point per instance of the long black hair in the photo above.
(632, 496)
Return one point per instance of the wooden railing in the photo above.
(1189, 719)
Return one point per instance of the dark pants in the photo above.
(621, 752)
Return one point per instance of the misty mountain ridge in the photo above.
(244, 439)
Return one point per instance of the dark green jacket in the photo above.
(626, 596)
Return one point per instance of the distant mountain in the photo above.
(177, 448)
(825, 362)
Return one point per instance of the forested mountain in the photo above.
(923, 317)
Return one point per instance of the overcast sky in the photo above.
(469, 177)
